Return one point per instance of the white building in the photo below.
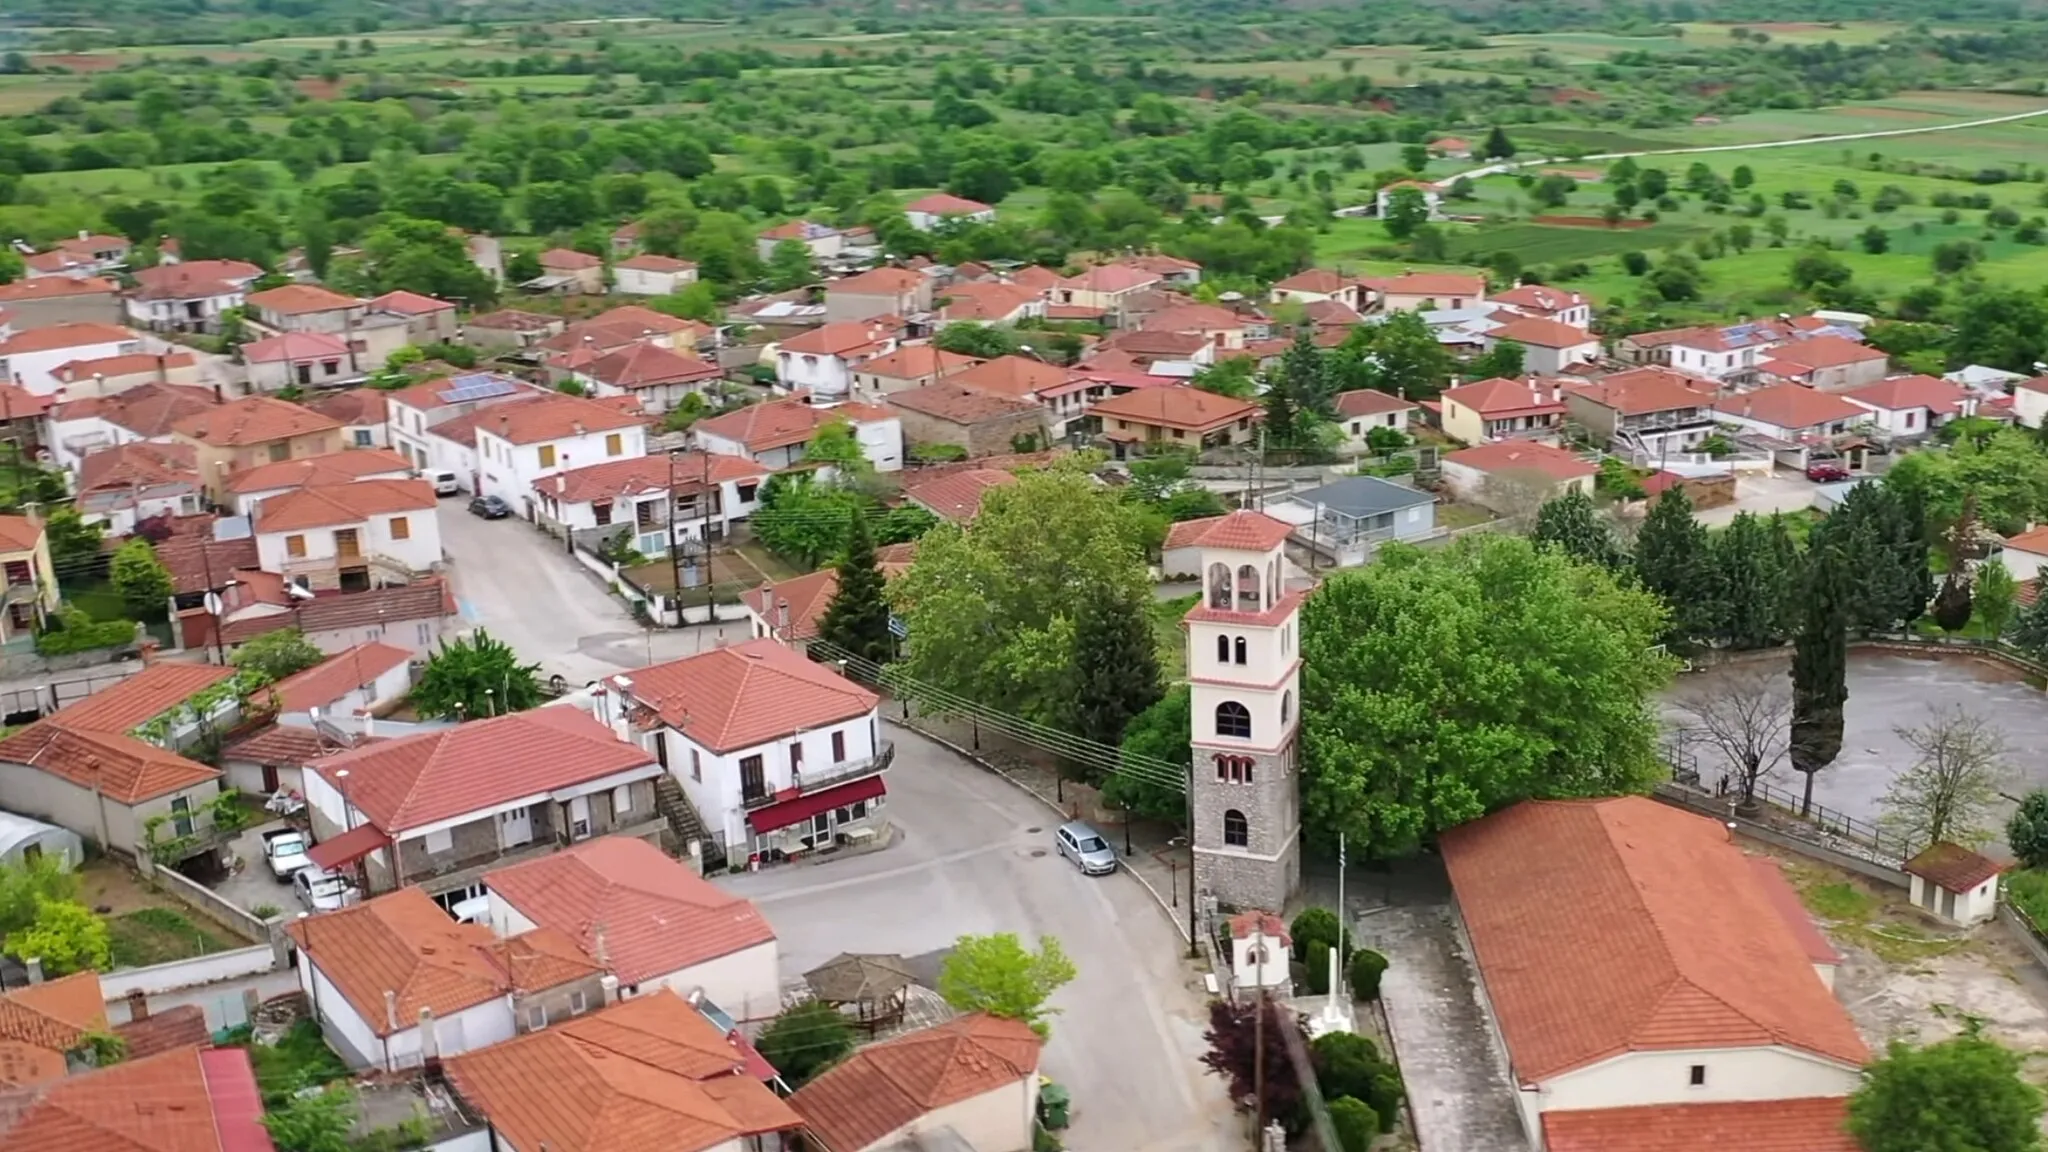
(779, 755)
(1792, 412)
(414, 414)
(1548, 346)
(773, 433)
(2026, 554)
(704, 493)
(350, 536)
(517, 444)
(144, 412)
(1431, 196)
(30, 359)
(929, 212)
(659, 377)
(651, 918)
(651, 275)
(1954, 883)
(1913, 406)
(252, 486)
(189, 296)
(822, 361)
(1364, 409)
(1542, 302)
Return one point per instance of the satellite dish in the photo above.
(213, 604)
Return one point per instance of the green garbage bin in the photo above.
(1054, 1102)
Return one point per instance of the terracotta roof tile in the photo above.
(1538, 297)
(1827, 352)
(842, 339)
(1370, 402)
(19, 533)
(913, 361)
(331, 468)
(356, 406)
(130, 364)
(60, 336)
(555, 417)
(280, 744)
(946, 204)
(748, 694)
(1801, 1125)
(884, 281)
(569, 260)
(300, 299)
(190, 558)
(1511, 456)
(1540, 333)
(1498, 397)
(987, 303)
(957, 496)
(1641, 391)
(1953, 867)
(807, 597)
(137, 464)
(1903, 392)
(141, 697)
(1178, 407)
(1193, 318)
(650, 262)
(1440, 285)
(658, 917)
(253, 420)
(432, 776)
(1320, 280)
(402, 942)
(690, 471)
(181, 1027)
(193, 279)
(1242, 530)
(55, 287)
(337, 676)
(423, 600)
(40, 1023)
(649, 1074)
(1110, 278)
(775, 424)
(336, 504)
(960, 403)
(1790, 406)
(149, 410)
(1770, 876)
(513, 320)
(184, 1100)
(410, 303)
(883, 1087)
(1675, 945)
(646, 365)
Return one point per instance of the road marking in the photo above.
(886, 874)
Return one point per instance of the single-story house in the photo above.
(1515, 477)
(1913, 406)
(1347, 520)
(1954, 883)
(982, 423)
(975, 1077)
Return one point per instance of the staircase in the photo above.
(684, 823)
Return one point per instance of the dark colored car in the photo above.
(1826, 471)
(490, 508)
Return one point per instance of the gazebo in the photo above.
(875, 986)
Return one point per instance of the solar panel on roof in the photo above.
(481, 386)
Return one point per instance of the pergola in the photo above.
(876, 986)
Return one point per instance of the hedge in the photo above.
(73, 631)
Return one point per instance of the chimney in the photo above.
(148, 649)
(430, 1044)
(163, 369)
(610, 984)
(82, 233)
(577, 425)
(217, 399)
(391, 1009)
(138, 1005)
(621, 729)
(34, 965)
(598, 951)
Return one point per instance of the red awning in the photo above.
(804, 807)
(348, 847)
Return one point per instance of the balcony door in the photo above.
(753, 781)
(515, 828)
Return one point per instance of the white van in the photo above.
(444, 482)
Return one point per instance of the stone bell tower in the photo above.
(1244, 668)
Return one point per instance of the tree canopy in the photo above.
(1960, 1095)
(474, 677)
(998, 975)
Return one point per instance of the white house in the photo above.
(300, 360)
(138, 481)
(252, 486)
(350, 536)
(651, 275)
(774, 433)
(144, 412)
(1548, 346)
(517, 444)
(658, 376)
(651, 918)
(1913, 406)
(358, 678)
(823, 240)
(970, 1083)
(394, 981)
(30, 359)
(414, 413)
(2026, 554)
(1314, 286)
(929, 212)
(779, 755)
(189, 296)
(1364, 409)
(1431, 196)
(1955, 884)
(1792, 412)
(822, 361)
(707, 491)
(1542, 302)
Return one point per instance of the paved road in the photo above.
(972, 857)
(1763, 495)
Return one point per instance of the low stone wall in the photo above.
(212, 905)
(2024, 934)
(1813, 850)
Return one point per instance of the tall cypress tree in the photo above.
(1749, 583)
(1116, 664)
(1820, 658)
(1674, 560)
(857, 620)
(1918, 585)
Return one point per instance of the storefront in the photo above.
(820, 822)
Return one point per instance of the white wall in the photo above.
(714, 786)
(390, 684)
(641, 282)
(168, 312)
(1356, 427)
(348, 1033)
(1551, 361)
(72, 440)
(478, 1026)
(1903, 421)
(822, 374)
(995, 1121)
(509, 469)
(188, 973)
(2022, 565)
(1784, 433)
(881, 441)
(747, 983)
(32, 369)
(419, 552)
(1640, 1078)
(246, 503)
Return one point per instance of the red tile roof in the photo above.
(960, 404)
(1511, 456)
(649, 262)
(149, 409)
(1498, 397)
(184, 1100)
(327, 469)
(410, 303)
(338, 504)
(1370, 402)
(130, 364)
(1826, 352)
(2032, 540)
(299, 299)
(690, 471)
(181, 1027)
(19, 533)
(1674, 944)
(402, 942)
(986, 303)
(745, 695)
(884, 281)
(141, 697)
(799, 230)
(1442, 286)
(294, 346)
(649, 1074)
(1770, 876)
(1537, 297)
(1177, 407)
(843, 339)
(123, 768)
(357, 406)
(775, 424)
(137, 464)
(946, 204)
(1645, 390)
(1242, 531)
(52, 287)
(433, 776)
(1790, 406)
(41, 1022)
(646, 365)
(1815, 1124)
(253, 420)
(657, 916)
(281, 744)
(1318, 280)
(337, 676)
(555, 417)
(807, 597)
(1194, 318)
(1953, 867)
(1540, 333)
(193, 279)
(514, 320)
(57, 336)
(1903, 392)
(886, 1086)
(914, 361)
(568, 260)
(1110, 278)
(956, 496)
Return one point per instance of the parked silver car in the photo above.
(1082, 844)
(323, 891)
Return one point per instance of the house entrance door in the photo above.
(515, 828)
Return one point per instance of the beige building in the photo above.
(975, 1077)
(878, 292)
(575, 273)
(30, 579)
(427, 320)
(1175, 417)
(1108, 289)
(251, 431)
(1423, 291)
(909, 366)
(1501, 409)
(983, 423)
(46, 300)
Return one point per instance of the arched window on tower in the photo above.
(1219, 586)
(1233, 719)
(1248, 586)
(1272, 583)
(1240, 649)
(1223, 649)
(1237, 832)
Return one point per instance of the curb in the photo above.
(1179, 929)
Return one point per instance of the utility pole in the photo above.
(1259, 1029)
(710, 580)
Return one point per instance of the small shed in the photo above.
(23, 840)
(1954, 883)
(1259, 949)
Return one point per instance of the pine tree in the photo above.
(1749, 584)
(1116, 665)
(857, 620)
(1820, 658)
(1918, 586)
(1498, 146)
(1674, 560)
(1571, 524)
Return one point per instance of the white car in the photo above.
(323, 891)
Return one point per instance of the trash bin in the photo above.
(1054, 1102)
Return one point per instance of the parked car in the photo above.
(444, 482)
(323, 891)
(1826, 471)
(490, 508)
(285, 849)
(1080, 842)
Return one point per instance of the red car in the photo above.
(1826, 472)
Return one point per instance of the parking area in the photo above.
(974, 855)
(1779, 491)
(252, 888)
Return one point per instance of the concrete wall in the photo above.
(995, 1121)
(103, 820)
(178, 974)
(1641, 1078)
(212, 905)
(992, 437)
(746, 983)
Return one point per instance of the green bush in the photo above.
(2027, 831)
(1365, 969)
(805, 1040)
(2027, 890)
(1348, 1064)
(1356, 1123)
(1312, 925)
(71, 630)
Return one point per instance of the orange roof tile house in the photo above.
(27, 574)
(703, 493)
(1176, 417)
(975, 1075)
(251, 431)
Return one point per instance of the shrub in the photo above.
(1348, 1064)
(1313, 924)
(1356, 1123)
(2027, 890)
(806, 1039)
(2027, 831)
(74, 631)
(1365, 969)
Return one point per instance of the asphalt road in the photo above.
(973, 855)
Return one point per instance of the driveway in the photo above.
(516, 582)
(1780, 491)
(972, 856)
(254, 886)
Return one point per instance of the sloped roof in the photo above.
(1953, 866)
(433, 776)
(780, 423)
(1902, 392)
(1432, 284)
(1826, 352)
(1648, 389)
(650, 262)
(337, 676)
(293, 346)
(1540, 333)
(957, 496)
(1540, 297)
(410, 303)
(297, 299)
(334, 504)
(645, 365)
(986, 302)
(136, 464)
(1509, 456)
(328, 468)
(1110, 278)
(1193, 318)
(554, 417)
(946, 204)
(253, 420)
(1320, 280)
(40, 1023)
(745, 695)
(959, 403)
(1673, 944)
(19, 533)
(73, 335)
(1242, 530)
(1369, 402)
(1498, 396)
(840, 339)
(569, 259)
(87, 743)
(192, 279)
(615, 478)
(911, 361)
(883, 281)
(127, 364)
(808, 596)
(353, 407)
(883, 1087)
(50, 287)
(1813, 1124)
(1178, 407)
(657, 916)
(1792, 406)
(184, 1100)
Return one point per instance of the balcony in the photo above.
(810, 783)
(1673, 419)
(23, 593)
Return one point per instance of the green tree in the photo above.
(1357, 1125)
(2026, 833)
(1966, 1094)
(789, 266)
(26, 886)
(987, 341)
(1996, 596)
(278, 654)
(1570, 524)
(1875, 240)
(1116, 663)
(321, 1121)
(1351, 1066)
(1505, 360)
(65, 936)
(1234, 378)
(2029, 631)
(1400, 357)
(1439, 685)
(470, 678)
(1497, 146)
(1820, 658)
(1415, 157)
(1383, 441)
(1159, 734)
(1407, 210)
(996, 974)
(836, 443)
(141, 580)
(805, 1039)
(423, 256)
(805, 520)
(1674, 559)
(697, 301)
(74, 544)
(857, 620)
(1750, 577)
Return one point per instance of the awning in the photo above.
(348, 847)
(804, 807)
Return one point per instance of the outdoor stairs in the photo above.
(684, 822)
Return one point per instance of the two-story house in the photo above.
(394, 982)
(413, 413)
(427, 320)
(300, 360)
(368, 335)
(1314, 285)
(351, 535)
(28, 579)
(823, 240)
(660, 377)
(1827, 362)
(1729, 355)
(1646, 414)
(189, 297)
(1361, 410)
(909, 366)
(438, 809)
(251, 431)
(1175, 416)
(1501, 409)
(823, 360)
(519, 444)
(144, 412)
(773, 433)
(30, 359)
(1423, 291)
(698, 495)
(929, 212)
(988, 302)
(1542, 302)
(1216, 326)
(113, 375)
(650, 274)
(121, 485)
(1913, 406)
(362, 413)
(567, 271)
(886, 291)
(1548, 346)
(40, 301)
(779, 756)
(1106, 289)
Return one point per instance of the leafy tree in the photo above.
(1415, 157)
(278, 654)
(996, 974)
(987, 341)
(423, 256)
(141, 580)
(1439, 685)
(1400, 357)
(1674, 559)
(805, 520)
(1956, 780)
(1817, 267)
(1356, 1124)
(1364, 971)
(1884, 531)
(789, 266)
(805, 1039)
(1116, 663)
(1750, 574)
(2002, 327)
(836, 443)
(1952, 604)
(320, 1121)
(473, 677)
(1383, 441)
(1407, 210)
(1161, 734)
(1553, 190)
(1875, 240)
(1239, 1042)
(697, 301)
(1505, 360)
(1570, 524)
(2006, 473)
(1820, 658)
(65, 936)
(1635, 263)
(2029, 632)
(26, 886)
(2026, 833)
(74, 544)
(1966, 1094)
(1233, 378)
(857, 620)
